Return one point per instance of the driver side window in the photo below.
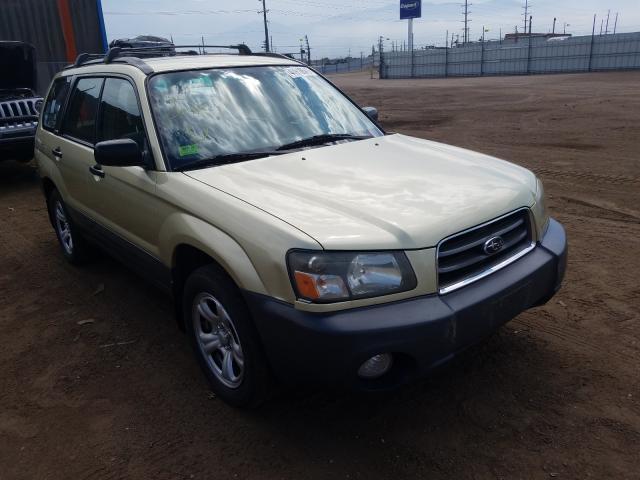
(120, 115)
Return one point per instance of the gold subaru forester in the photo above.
(299, 241)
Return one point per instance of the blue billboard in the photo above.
(410, 9)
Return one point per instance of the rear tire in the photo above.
(224, 339)
(74, 247)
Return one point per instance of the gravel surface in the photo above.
(96, 381)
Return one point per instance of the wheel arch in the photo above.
(48, 186)
(206, 245)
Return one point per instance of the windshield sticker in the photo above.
(199, 82)
(297, 72)
(186, 150)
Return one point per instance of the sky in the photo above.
(338, 28)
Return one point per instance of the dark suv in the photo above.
(19, 103)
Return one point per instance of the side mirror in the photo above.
(372, 113)
(118, 153)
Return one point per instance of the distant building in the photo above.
(58, 29)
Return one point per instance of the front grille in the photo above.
(18, 114)
(463, 258)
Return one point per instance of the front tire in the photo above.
(224, 339)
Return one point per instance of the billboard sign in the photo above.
(410, 9)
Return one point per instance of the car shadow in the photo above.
(17, 175)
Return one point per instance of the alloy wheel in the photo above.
(218, 340)
(63, 228)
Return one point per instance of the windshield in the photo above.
(210, 113)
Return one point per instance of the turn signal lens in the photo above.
(306, 285)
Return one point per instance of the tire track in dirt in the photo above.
(573, 175)
(573, 338)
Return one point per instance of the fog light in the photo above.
(376, 366)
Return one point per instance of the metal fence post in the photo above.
(412, 65)
(593, 35)
(446, 61)
(529, 49)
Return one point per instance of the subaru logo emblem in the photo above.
(493, 245)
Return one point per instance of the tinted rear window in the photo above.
(55, 102)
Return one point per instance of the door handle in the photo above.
(97, 171)
(57, 152)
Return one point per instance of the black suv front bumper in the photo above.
(421, 333)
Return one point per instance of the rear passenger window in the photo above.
(55, 101)
(80, 121)
(119, 113)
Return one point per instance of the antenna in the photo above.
(465, 13)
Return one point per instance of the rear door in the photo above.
(74, 149)
(48, 141)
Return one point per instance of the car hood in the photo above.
(18, 66)
(382, 193)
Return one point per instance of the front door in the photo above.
(123, 199)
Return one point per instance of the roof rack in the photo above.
(134, 55)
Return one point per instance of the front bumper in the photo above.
(422, 332)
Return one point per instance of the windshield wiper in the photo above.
(321, 139)
(224, 159)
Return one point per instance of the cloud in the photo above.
(337, 27)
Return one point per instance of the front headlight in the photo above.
(324, 277)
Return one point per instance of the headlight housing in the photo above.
(540, 209)
(324, 277)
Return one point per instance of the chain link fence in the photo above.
(526, 56)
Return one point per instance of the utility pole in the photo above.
(465, 37)
(266, 28)
(526, 15)
(306, 39)
(606, 30)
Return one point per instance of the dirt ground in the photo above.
(96, 381)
